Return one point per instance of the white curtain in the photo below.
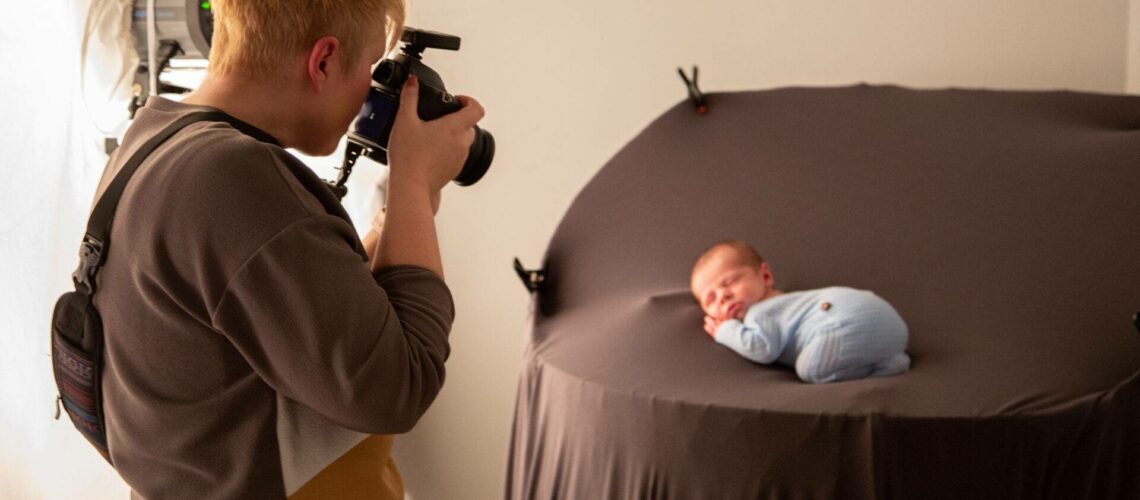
(51, 153)
(52, 158)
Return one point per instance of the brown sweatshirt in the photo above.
(250, 353)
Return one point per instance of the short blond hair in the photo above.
(255, 37)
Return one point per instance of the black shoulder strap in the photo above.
(94, 249)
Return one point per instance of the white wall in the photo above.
(1132, 54)
(49, 164)
(565, 85)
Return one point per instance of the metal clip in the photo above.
(90, 259)
(531, 278)
(695, 95)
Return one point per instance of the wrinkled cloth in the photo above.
(1001, 225)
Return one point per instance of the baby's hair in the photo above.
(744, 252)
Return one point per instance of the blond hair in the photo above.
(256, 37)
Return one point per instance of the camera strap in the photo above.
(93, 251)
(77, 329)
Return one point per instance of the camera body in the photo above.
(370, 131)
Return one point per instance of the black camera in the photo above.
(369, 133)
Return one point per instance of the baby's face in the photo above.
(725, 287)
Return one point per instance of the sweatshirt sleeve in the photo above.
(755, 338)
(367, 351)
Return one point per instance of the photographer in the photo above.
(255, 347)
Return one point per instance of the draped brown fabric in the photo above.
(1004, 227)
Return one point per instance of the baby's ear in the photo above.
(766, 271)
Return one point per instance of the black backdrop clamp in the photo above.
(695, 94)
(530, 278)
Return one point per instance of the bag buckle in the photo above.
(90, 259)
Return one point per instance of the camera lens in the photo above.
(479, 158)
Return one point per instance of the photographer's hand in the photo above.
(432, 151)
(424, 157)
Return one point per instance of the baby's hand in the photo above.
(711, 325)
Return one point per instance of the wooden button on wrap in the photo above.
(826, 306)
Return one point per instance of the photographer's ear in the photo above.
(323, 59)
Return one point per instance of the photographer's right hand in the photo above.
(424, 157)
(430, 152)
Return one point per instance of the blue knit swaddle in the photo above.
(828, 334)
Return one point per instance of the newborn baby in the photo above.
(829, 334)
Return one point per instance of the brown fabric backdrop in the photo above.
(1004, 226)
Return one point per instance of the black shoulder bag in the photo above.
(76, 328)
